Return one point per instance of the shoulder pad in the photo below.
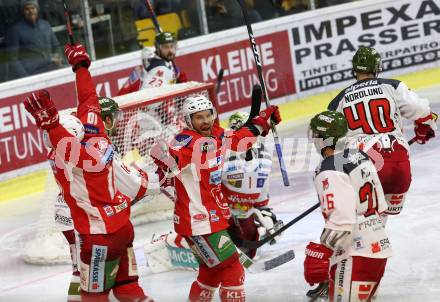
(156, 62)
(181, 140)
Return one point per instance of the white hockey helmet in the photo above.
(194, 104)
(72, 124)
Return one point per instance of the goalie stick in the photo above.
(256, 244)
(219, 80)
(266, 96)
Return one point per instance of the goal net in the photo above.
(148, 116)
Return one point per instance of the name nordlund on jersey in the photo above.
(377, 91)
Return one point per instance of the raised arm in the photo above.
(88, 110)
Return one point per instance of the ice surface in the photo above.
(412, 274)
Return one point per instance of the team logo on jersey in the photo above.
(396, 199)
(384, 243)
(231, 168)
(213, 216)
(235, 176)
(236, 183)
(215, 177)
(199, 217)
(260, 182)
(108, 210)
(325, 184)
(375, 247)
(358, 243)
(214, 162)
(208, 146)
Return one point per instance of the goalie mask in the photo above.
(72, 124)
(237, 120)
(194, 104)
(110, 114)
(328, 129)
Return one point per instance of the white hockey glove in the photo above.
(268, 223)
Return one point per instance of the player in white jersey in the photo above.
(158, 68)
(245, 186)
(354, 246)
(374, 108)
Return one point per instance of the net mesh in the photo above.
(148, 116)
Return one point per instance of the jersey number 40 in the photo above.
(380, 112)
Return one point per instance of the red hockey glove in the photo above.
(317, 263)
(164, 180)
(77, 56)
(263, 119)
(424, 128)
(182, 78)
(42, 108)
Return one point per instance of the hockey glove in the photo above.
(262, 121)
(161, 156)
(424, 128)
(317, 263)
(77, 56)
(42, 108)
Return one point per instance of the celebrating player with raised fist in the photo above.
(201, 213)
(374, 108)
(354, 247)
(82, 160)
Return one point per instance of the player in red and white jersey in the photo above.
(245, 187)
(158, 68)
(354, 246)
(374, 108)
(82, 162)
(201, 213)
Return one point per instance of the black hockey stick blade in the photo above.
(219, 80)
(412, 141)
(256, 101)
(321, 291)
(249, 244)
(279, 260)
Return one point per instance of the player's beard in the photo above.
(170, 56)
(206, 129)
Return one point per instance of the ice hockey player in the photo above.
(201, 213)
(158, 68)
(354, 246)
(374, 108)
(245, 187)
(129, 180)
(82, 162)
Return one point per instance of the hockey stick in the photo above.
(266, 97)
(412, 141)
(68, 22)
(153, 16)
(249, 244)
(261, 266)
(219, 80)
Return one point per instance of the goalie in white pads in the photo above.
(354, 246)
(245, 186)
